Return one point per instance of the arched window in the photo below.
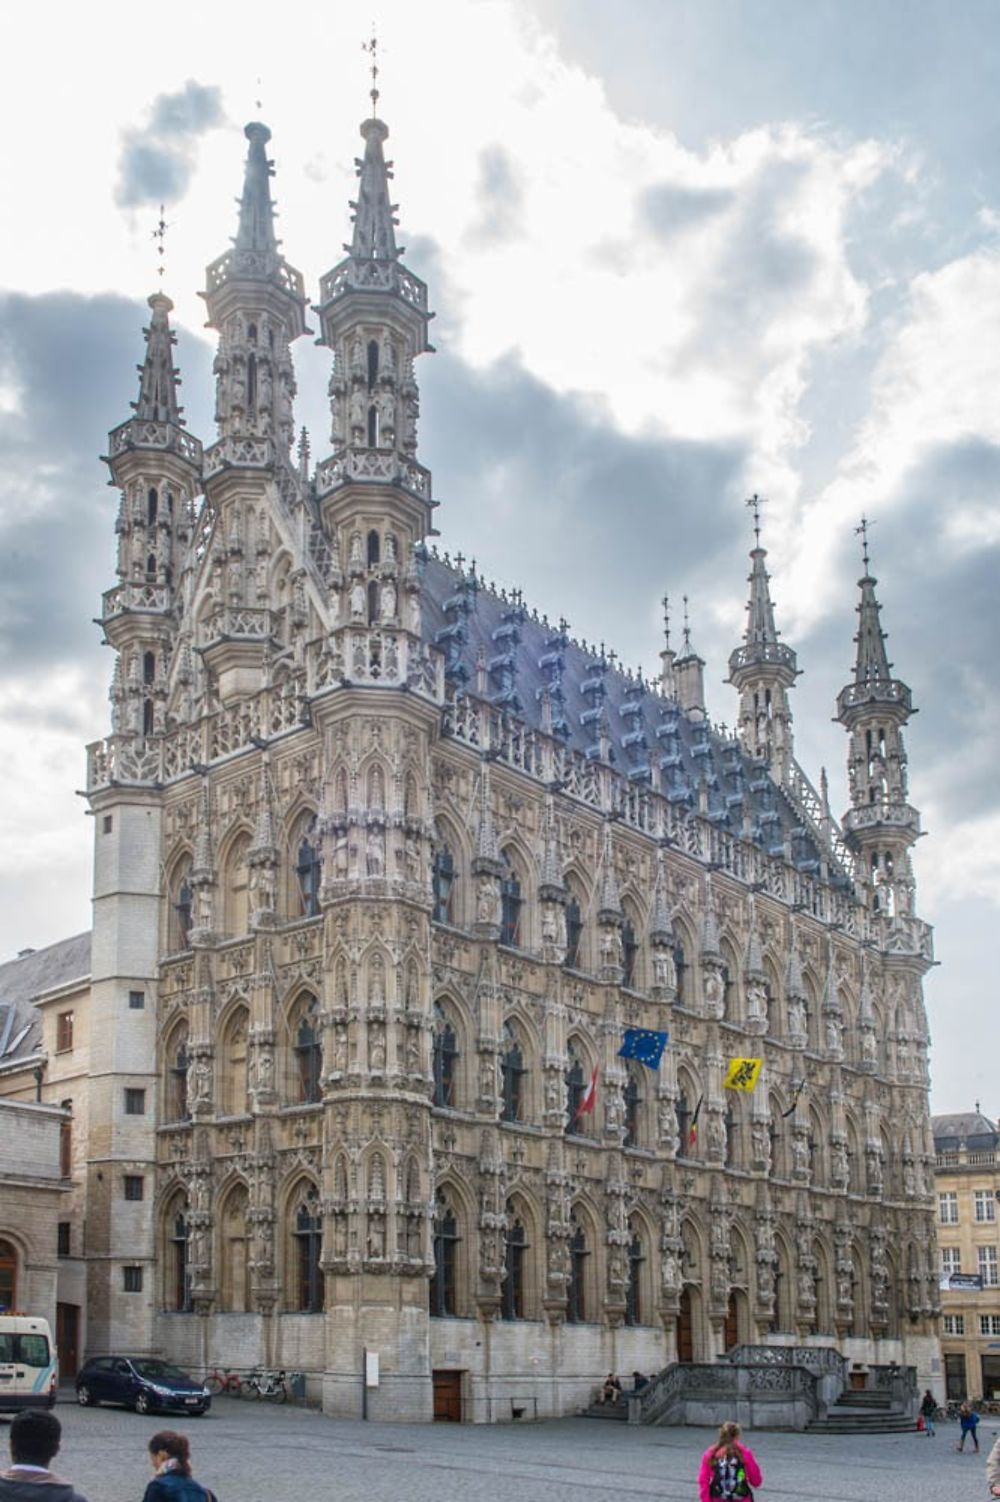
(575, 1085)
(513, 1072)
(307, 1244)
(633, 1101)
(576, 1303)
(731, 1128)
(233, 1082)
(683, 1123)
(151, 506)
(308, 1052)
(630, 954)
(234, 1268)
(445, 1059)
(374, 548)
(373, 426)
(252, 385)
(633, 1300)
(237, 888)
(512, 1287)
(151, 569)
(681, 969)
(443, 880)
(372, 361)
(183, 905)
(574, 933)
(511, 903)
(372, 603)
(148, 667)
(8, 1276)
(307, 874)
(443, 1289)
(175, 1104)
(147, 717)
(177, 1284)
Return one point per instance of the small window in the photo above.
(62, 1238)
(951, 1260)
(64, 1032)
(108, 823)
(132, 1280)
(374, 548)
(136, 1001)
(989, 1324)
(954, 1324)
(133, 1186)
(135, 1102)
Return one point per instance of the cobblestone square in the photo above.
(258, 1453)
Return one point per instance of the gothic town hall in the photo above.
(385, 866)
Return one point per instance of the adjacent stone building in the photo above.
(385, 863)
(967, 1181)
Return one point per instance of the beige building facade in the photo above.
(385, 866)
(967, 1186)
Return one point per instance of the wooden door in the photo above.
(68, 1340)
(731, 1331)
(685, 1328)
(447, 1396)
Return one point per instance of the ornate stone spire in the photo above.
(158, 381)
(550, 874)
(661, 928)
(609, 901)
(487, 853)
(374, 216)
(256, 227)
(763, 670)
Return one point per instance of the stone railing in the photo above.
(882, 691)
(237, 621)
(896, 815)
(130, 596)
(373, 276)
(765, 651)
(763, 1395)
(814, 1358)
(235, 264)
(236, 452)
(141, 432)
(373, 466)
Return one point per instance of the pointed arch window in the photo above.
(183, 907)
(308, 1055)
(576, 1303)
(151, 569)
(443, 880)
(511, 903)
(731, 1128)
(373, 426)
(512, 1287)
(307, 872)
(575, 1087)
(683, 1123)
(445, 1059)
(681, 969)
(443, 1288)
(372, 361)
(374, 548)
(513, 1071)
(152, 505)
(148, 667)
(574, 933)
(252, 384)
(147, 717)
(178, 1288)
(307, 1237)
(633, 1101)
(176, 1082)
(633, 1298)
(630, 954)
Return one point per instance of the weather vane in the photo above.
(755, 502)
(371, 47)
(687, 624)
(259, 101)
(160, 235)
(665, 602)
(862, 530)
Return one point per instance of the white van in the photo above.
(29, 1374)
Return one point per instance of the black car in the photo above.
(144, 1383)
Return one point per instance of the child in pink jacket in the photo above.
(728, 1469)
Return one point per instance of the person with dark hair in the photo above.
(728, 1468)
(170, 1457)
(34, 1440)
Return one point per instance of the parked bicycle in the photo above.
(270, 1385)
(224, 1380)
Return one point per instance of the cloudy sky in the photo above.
(681, 250)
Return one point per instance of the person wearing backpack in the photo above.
(728, 1468)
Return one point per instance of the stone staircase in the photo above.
(615, 1412)
(863, 1412)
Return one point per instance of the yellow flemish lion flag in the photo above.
(742, 1074)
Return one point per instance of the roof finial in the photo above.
(665, 602)
(259, 101)
(160, 235)
(687, 628)
(862, 530)
(371, 47)
(755, 502)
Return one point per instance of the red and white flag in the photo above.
(589, 1096)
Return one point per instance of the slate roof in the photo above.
(970, 1129)
(24, 978)
(651, 739)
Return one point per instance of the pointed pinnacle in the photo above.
(256, 227)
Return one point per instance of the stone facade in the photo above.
(32, 1203)
(967, 1184)
(394, 863)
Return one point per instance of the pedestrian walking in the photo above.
(993, 1470)
(928, 1409)
(170, 1457)
(34, 1441)
(728, 1468)
(969, 1420)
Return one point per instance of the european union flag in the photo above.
(645, 1045)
